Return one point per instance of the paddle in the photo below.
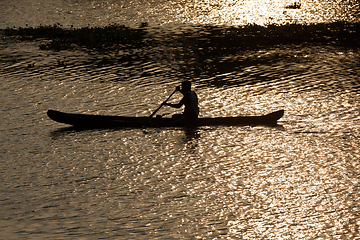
(177, 89)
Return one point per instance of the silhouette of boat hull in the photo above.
(107, 121)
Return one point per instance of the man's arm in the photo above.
(177, 105)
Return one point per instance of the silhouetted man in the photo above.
(190, 100)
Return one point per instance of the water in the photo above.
(20, 13)
(299, 180)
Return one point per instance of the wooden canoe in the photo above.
(107, 121)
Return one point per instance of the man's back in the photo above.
(191, 104)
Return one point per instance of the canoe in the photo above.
(107, 121)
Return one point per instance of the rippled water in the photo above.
(20, 13)
(300, 180)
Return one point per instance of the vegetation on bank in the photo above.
(100, 38)
(216, 37)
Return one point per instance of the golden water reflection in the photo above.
(262, 12)
(272, 184)
(177, 12)
(298, 181)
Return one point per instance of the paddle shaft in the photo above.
(162, 104)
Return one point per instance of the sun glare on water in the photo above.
(263, 12)
(252, 12)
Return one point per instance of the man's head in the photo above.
(185, 86)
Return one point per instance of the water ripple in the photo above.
(298, 181)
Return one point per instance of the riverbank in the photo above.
(203, 37)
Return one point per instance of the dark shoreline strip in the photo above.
(220, 37)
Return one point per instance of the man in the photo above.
(190, 100)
